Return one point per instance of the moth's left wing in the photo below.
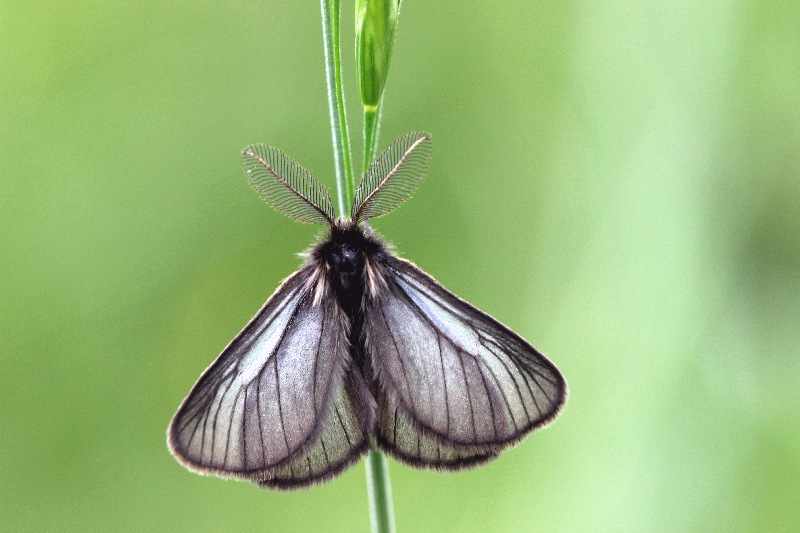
(268, 397)
(456, 376)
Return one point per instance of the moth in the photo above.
(357, 347)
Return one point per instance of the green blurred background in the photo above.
(619, 182)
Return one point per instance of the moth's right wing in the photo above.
(270, 396)
(458, 386)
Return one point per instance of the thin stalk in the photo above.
(372, 121)
(378, 487)
(372, 117)
(333, 76)
(380, 492)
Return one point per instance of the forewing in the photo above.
(286, 186)
(343, 441)
(392, 178)
(266, 398)
(463, 378)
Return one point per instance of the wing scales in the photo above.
(266, 398)
(462, 377)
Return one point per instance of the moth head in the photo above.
(349, 242)
(346, 254)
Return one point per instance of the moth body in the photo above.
(343, 256)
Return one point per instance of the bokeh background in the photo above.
(619, 182)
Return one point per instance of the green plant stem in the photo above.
(378, 487)
(333, 77)
(380, 492)
(372, 120)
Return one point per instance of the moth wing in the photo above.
(342, 442)
(265, 400)
(403, 439)
(461, 378)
